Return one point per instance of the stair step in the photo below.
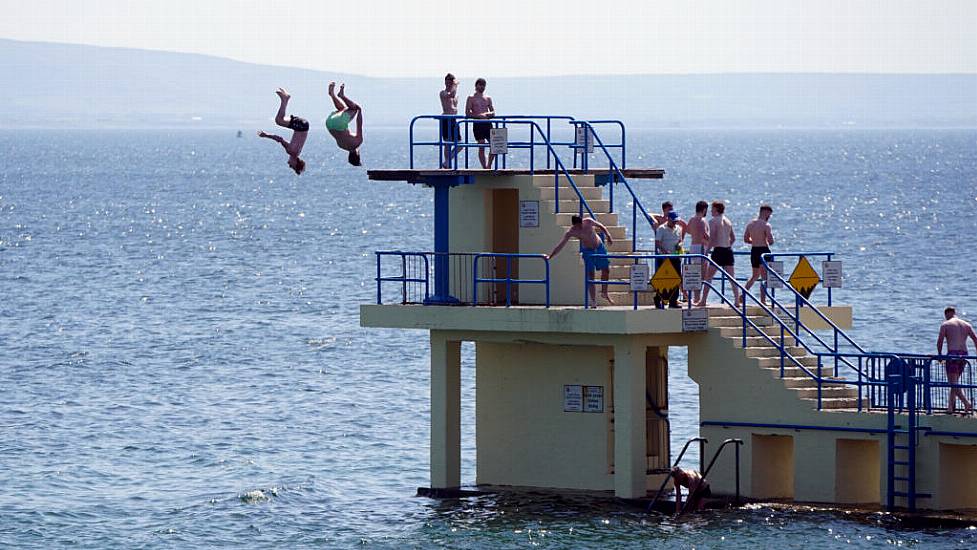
(731, 321)
(563, 218)
(790, 368)
(548, 193)
(899, 478)
(836, 402)
(770, 351)
(826, 392)
(570, 203)
(900, 462)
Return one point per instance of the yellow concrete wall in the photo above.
(957, 477)
(470, 223)
(523, 436)
(858, 472)
(772, 466)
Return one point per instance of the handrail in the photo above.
(678, 460)
(635, 201)
(742, 312)
(462, 119)
(508, 280)
(622, 145)
(403, 279)
(705, 473)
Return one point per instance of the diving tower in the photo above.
(572, 398)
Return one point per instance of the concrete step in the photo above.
(547, 181)
(570, 203)
(627, 298)
(828, 392)
(589, 193)
(754, 341)
(619, 246)
(563, 218)
(770, 351)
(837, 402)
(798, 379)
(735, 321)
(809, 361)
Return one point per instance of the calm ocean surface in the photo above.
(181, 363)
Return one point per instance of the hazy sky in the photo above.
(525, 37)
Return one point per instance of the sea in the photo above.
(181, 362)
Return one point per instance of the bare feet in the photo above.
(332, 88)
(607, 297)
(342, 90)
(283, 94)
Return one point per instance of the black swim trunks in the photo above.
(450, 130)
(481, 130)
(723, 256)
(755, 253)
(298, 124)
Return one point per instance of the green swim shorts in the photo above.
(338, 121)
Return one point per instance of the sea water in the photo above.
(181, 363)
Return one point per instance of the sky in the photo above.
(408, 38)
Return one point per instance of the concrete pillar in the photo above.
(630, 455)
(445, 412)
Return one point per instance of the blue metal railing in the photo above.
(616, 175)
(581, 148)
(465, 144)
(508, 280)
(407, 275)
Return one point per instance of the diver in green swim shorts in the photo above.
(338, 123)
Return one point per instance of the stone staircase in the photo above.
(570, 205)
(768, 358)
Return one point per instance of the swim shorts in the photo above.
(955, 366)
(481, 130)
(450, 130)
(338, 121)
(755, 253)
(722, 256)
(593, 263)
(298, 124)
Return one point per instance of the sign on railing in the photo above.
(772, 280)
(831, 274)
(499, 141)
(639, 277)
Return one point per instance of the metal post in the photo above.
(379, 284)
(403, 278)
(441, 233)
(738, 472)
(508, 281)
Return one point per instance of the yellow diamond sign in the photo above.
(666, 279)
(804, 278)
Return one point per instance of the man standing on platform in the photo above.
(955, 331)
(721, 239)
(480, 105)
(759, 234)
(668, 240)
(449, 127)
(698, 227)
(592, 249)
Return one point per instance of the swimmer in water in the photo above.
(338, 123)
(300, 131)
(696, 484)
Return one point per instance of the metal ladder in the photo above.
(901, 440)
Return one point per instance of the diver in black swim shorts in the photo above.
(300, 131)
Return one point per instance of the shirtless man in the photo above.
(955, 331)
(698, 227)
(480, 105)
(759, 234)
(658, 219)
(697, 485)
(338, 123)
(721, 239)
(300, 131)
(449, 128)
(585, 230)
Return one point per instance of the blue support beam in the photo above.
(442, 185)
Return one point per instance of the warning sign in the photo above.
(499, 141)
(692, 276)
(666, 279)
(831, 274)
(773, 282)
(572, 398)
(639, 277)
(695, 320)
(804, 278)
(584, 139)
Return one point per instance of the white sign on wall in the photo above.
(585, 138)
(772, 280)
(528, 213)
(695, 320)
(593, 399)
(640, 274)
(572, 398)
(499, 141)
(692, 276)
(831, 274)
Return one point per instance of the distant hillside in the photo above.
(59, 85)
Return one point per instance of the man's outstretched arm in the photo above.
(939, 341)
(559, 245)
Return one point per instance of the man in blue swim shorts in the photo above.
(592, 250)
